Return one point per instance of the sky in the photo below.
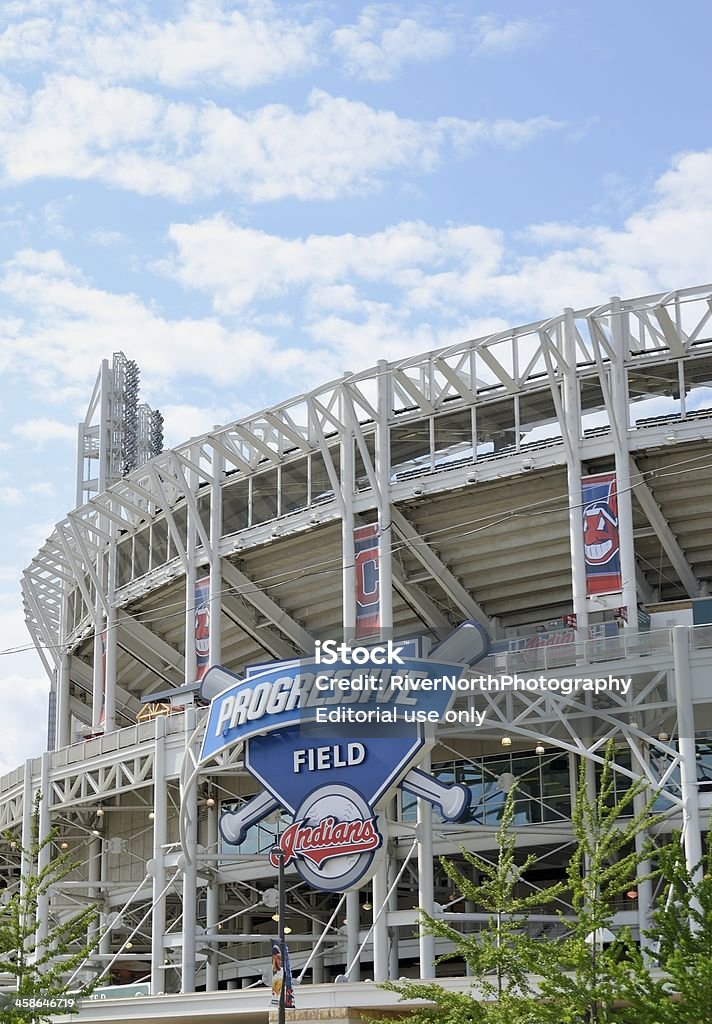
(251, 198)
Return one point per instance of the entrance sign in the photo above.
(331, 742)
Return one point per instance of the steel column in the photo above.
(353, 923)
(620, 430)
(380, 880)
(160, 831)
(190, 874)
(686, 741)
(212, 903)
(572, 428)
(426, 943)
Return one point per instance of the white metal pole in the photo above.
(393, 950)
(160, 829)
(383, 463)
(353, 924)
(380, 923)
(190, 874)
(644, 885)
(380, 879)
(45, 854)
(686, 743)
(572, 427)
(98, 683)
(112, 638)
(348, 553)
(619, 392)
(426, 943)
(215, 640)
(212, 909)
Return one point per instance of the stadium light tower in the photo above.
(118, 434)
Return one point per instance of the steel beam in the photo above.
(667, 538)
(439, 571)
(242, 583)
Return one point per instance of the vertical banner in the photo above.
(202, 627)
(282, 976)
(368, 583)
(601, 540)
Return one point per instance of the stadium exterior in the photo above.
(469, 461)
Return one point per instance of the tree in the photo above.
(589, 976)
(681, 935)
(500, 955)
(40, 967)
(568, 980)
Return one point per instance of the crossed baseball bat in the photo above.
(467, 644)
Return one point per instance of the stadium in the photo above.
(550, 484)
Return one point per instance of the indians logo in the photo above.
(600, 529)
(333, 838)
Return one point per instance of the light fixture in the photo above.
(129, 945)
(471, 478)
(539, 749)
(418, 491)
(95, 832)
(634, 724)
(275, 917)
(151, 815)
(506, 741)
(64, 845)
(663, 737)
(100, 811)
(367, 905)
(287, 930)
(210, 802)
(632, 894)
(670, 438)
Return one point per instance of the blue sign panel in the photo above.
(330, 737)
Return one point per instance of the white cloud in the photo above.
(183, 420)
(238, 266)
(10, 495)
(71, 325)
(25, 702)
(378, 45)
(40, 431)
(450, 274)
(23, 686)
(204, 44)
(74, 128)
(494, 35)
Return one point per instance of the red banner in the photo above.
(368, 582)
(202, 627)
(601, 539)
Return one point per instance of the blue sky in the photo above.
(250, 198)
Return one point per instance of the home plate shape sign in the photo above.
(330, 743)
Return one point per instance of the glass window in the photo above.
(293, 486)
(204, 510)
(496, 434)
(320, 484)
(264, 497)
(180, 516)
(141, 540)
(362, 480)
(124, 550)
(410, 448)
(537, 416)
(453, 437)
(159, 543)
(236, 509)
